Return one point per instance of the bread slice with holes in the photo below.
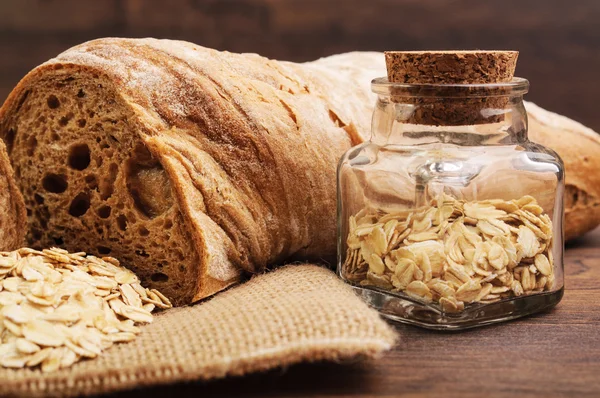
(13, 217)
(187, 164)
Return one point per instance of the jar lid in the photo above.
(451, 67)
(450, 88)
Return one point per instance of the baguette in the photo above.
(191, 165)
(579, 148)
(188, 164)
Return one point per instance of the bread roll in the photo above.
(188, 164)
(13, 218)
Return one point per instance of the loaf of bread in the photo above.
(579, 148)
(13, 217)
(189, 165)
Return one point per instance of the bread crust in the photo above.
(579, 148)
(13, 216)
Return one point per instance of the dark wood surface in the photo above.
(559, 40)
(554, 354)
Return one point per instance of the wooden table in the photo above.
(552, 354)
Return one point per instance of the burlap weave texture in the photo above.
(296, 313)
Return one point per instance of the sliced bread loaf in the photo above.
(188, 164)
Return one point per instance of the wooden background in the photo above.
(559, 40)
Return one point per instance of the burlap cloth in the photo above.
(297, 313)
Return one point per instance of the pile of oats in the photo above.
(57, 307)
(454, 252)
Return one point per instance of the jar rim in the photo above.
(516, 87)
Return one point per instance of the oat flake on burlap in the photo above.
(294, 314)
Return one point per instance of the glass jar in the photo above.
(449, 217)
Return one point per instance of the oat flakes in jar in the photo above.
(449, 217)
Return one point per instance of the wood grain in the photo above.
(546, 355)
(558, 40)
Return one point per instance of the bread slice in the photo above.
(13, 217)
(188, 164)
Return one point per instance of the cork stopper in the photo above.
(452, 67)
